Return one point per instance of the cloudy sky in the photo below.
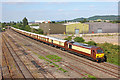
(16, 10)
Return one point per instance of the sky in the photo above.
(16, 10)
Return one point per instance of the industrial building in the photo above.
(102, 27)
(52, 28)
(69, 28)
(76, 28)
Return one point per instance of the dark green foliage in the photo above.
(3, 25)
(116, 21)
(111, 51)
(92, 43)
(27, 28)
(85, 20)
(38, 31)
(53, 22)
(79, 39)
(69, 38)
(25, 22)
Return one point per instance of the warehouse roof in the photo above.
(69, 23)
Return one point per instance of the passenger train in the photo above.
(92, 52)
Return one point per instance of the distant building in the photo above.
(42, 21)
(102, 27)
(35, 27)
(99, 20)
(70, 28)
(52, 28)
(39, 21)
(76, 28)
(30, 23)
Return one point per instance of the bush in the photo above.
(69, 38)
(111, 51)
(79, 39)
(38, 31)
(27, 28)
(92, 43)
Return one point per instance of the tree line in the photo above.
(23, 25)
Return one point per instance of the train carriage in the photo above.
(57, 42)
(28, 33)
(33, 35)
(43, 38)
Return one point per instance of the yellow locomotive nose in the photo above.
(99, 55)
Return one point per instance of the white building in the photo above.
(36, 27)
(41, 21)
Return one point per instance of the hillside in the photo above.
(107, 17)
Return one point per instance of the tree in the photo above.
(25, 22)
(91, 43)
(65, 21)
(69, 38)
(53, 22)
(27, 28)
(19, 25)
(40, 31)
(79, 39)
(3, 25)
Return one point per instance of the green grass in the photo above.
(63, 70)
(54, 58)
(92, 77)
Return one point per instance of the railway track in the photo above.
(20, 65)
(110, 66)
(79, 60)
(34, 61)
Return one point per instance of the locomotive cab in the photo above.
(100, 56)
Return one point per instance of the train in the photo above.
(92, 52)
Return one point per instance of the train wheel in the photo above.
(98, 61)
(63, 49)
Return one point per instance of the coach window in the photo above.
(52, 41)
(70, 46)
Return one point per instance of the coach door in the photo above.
(66, 45)
(93, 54)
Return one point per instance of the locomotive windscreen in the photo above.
(99, 51)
